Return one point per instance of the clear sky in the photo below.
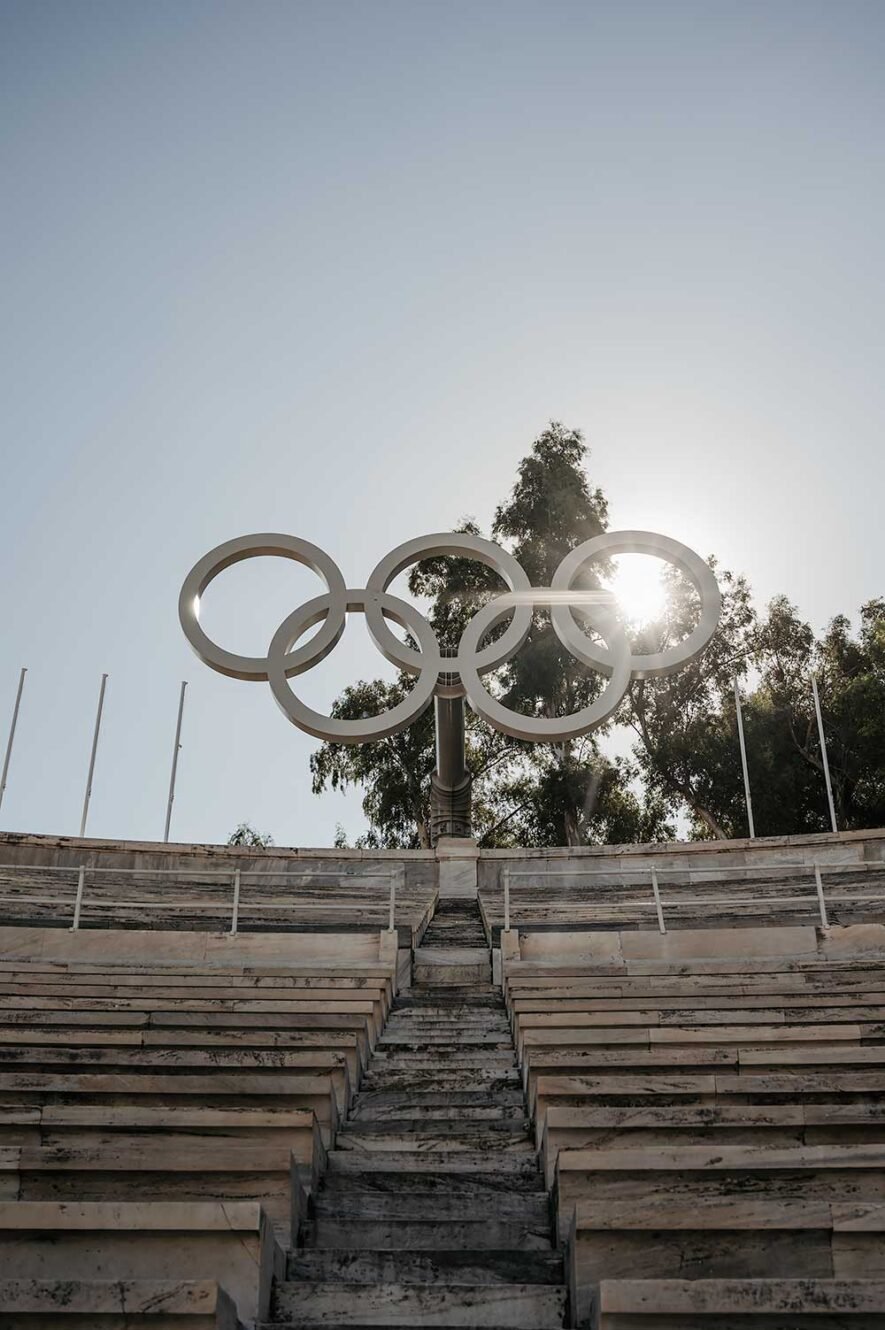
(329, 268)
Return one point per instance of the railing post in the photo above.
(818, 882)
(78, 904)
(506, 898)
(391, 923)
(657, 895)
(235, 915)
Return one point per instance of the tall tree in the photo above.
(523, 793)
(851, 673)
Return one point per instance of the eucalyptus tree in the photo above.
(523, 793)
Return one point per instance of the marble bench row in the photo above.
(158, 1123)
(716, 1125)
(347, 905)
(743, 900)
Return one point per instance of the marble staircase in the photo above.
(433, 1210)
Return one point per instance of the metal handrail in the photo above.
(197, 872)
(393, 874)
(645, 869)
(658, 903)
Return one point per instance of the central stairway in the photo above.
(433, 1210)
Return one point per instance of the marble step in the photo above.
(411, 1116)
(434, 1019)
(380, 1234)
(419, 1130)
(451, 1060)
(377, 1103)
(782, 1304)
(452, 935)
(446, 1204)
(445, 1055)
(303, 1305)
(453, 1265)
(466, 1189)
(460, 937)
(456, 1037)
(431, 1019)
(115, 1304)
(457, 1140)
(522, 1163)
(379, 1077)
(448, 972)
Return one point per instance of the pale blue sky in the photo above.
(329, 268)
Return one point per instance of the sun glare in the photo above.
(637, 587)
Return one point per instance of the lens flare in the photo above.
(637, 587)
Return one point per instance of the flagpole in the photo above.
(823, 753)
(104, 679)
(18, 698)
(740, 727)
(175, 752)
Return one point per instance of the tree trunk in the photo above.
(706, 817)
(572, 827)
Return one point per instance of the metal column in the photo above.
(175, 753)
(823, 753)
(740, 725)
(18, 698)
(451, 782)
(104, 680)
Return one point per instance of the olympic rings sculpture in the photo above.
(434, 670)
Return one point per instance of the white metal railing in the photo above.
(235, 879)
(652, 873)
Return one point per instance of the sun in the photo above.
(637, 587)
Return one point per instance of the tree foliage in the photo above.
(685, 759)
(247, 836)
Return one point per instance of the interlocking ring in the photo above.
(474, 656)
(461, 545)
(659, 663)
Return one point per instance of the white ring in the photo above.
(659, 663)
(255, 668)
(369, 728)
(460, 545)
(468, 665)
(541, 729)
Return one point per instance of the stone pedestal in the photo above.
(457, 857)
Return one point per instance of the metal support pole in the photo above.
(450, 784)
(104, 680)
(823, 753)
(740, 725)
(391, 923)
(506, 899)
(78, 904)
(18, 698)
(175, 753)
(822, 904)
(235, 915)
(657, 895)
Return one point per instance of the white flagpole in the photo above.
(175, 752)
(18, 698)
(823, 753)
(104, 679)
(740, 725)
